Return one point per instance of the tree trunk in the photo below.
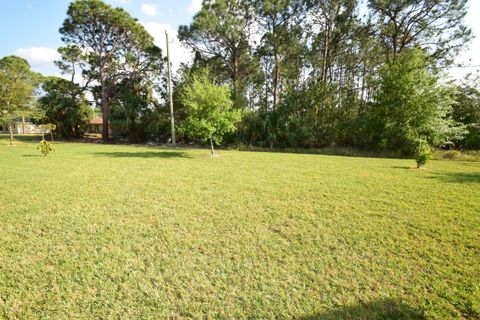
(132, 137)
(10, 129)
(234, 81)
(211, 147)
(276, 83)
(105, 132)
(325, 56)
(104, 106)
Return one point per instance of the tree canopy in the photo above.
(17, 84)
(108, 45)
(210, 110)
(326, 75)
(410, 105)
(302, 73)
(64, 105)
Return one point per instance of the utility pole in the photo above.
(172, 119)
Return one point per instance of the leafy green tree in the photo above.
(133, 100)
(281, 47)
(325, 76)
(343, 56)
(466, 110)
(64, 105)
(155, 123)
(17, 84)
(219, 34)
(310, 114)
(72, 61)
(110, 45)
(434, 25)
(210, 112)
(410, 105)
(332, 24)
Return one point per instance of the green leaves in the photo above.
(210, 110)
(410, 104)
(17, 83)
(434, 25)
(423, 153)
(93, 24)
(45, 147)
(108, 33)
(466, 109)
(65, 105)
(219, 36)
(109, 46)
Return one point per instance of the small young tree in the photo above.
(423, 153)
(45, 147)
(210, 112)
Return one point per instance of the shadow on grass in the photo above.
(382, 309)
(403, 167)
(458, 177)
(144, 154)
(22, 137)
(31, 155)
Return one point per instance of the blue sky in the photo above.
(29, 28)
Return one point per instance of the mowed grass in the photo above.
(129, 232)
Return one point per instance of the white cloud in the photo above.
(122, 1)
(178, 53)
(149, 9)
(41, 59)
(194, 6)
(38, 55)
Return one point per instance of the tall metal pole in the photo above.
(172, 119)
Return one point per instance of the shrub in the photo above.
(45, 147)
(423, 153)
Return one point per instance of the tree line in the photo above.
(364, 74)
(299, 74)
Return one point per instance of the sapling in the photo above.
(45, 147)
(423, 153)
(210, 111)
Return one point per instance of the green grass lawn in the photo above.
(128, 232)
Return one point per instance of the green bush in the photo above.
(45, 147)
(423, 153)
